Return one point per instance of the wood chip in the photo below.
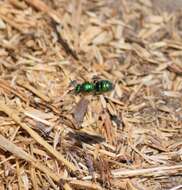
(80, 111)
(128, 138)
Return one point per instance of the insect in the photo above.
(97, 87)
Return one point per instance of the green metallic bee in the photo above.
(97, 87)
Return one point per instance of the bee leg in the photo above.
(95, 78)
(73, 83)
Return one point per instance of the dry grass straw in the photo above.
(13, 114)
(129, 138)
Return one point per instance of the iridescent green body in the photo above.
(97, 87)
(85, 87)
(103, 86)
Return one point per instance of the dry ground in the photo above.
(129, 138)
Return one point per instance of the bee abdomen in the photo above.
(103, 86)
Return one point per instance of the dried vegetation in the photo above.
(130, 138)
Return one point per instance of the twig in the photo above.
(156, 171)
(85, 184)
(6, 86)
(33, 90)
(176, 188)
(67, 187)
(13, 114)
(147, 172)
(7, 145)
(18, 175)
(13, 24)
(41, 6)
(64, 44)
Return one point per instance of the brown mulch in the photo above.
(129, 138)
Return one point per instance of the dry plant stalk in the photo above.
(41, 6)
(7, 145)
(11, 113)
(34, 91)
(156, 171)
(136, 127)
